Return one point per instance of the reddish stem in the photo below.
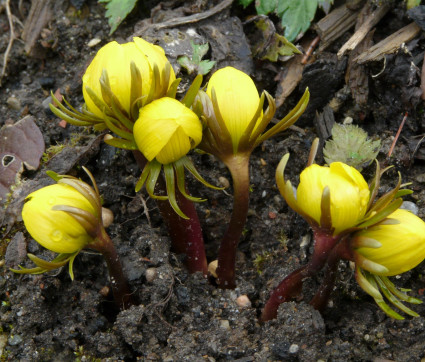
(239, 169)
(119, 283)
(340, 251)
(186, 235)
(292, 284)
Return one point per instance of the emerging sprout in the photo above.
(65, 218)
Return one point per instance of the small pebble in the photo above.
(15, 340)
(46, 102)
(151, 274)
(410, 206)
(243, 301)
(294, 348)
(93, 42)
(107, 217)
(224, 324)
(104, 291)
(420, 178)
(46, 82)
(224, 182)
(14, 103)
(212, 267)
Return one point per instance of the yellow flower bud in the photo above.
(116, 59)
(402, 245)
(56, 230)
(166, 130)
(349, 194)
(237, 99)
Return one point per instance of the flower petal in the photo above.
(237, 98)
(403, 244)
(56, 230)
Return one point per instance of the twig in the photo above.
(11, 39)
(310, 50)
(187, 19)
(397, 134)
(313, 151)
(361, 33)
(390, 44)
(146, 210)
(423, 79)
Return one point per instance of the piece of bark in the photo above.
(289, 79)
(364, 29)
(324, 122)
(390, 44)
(291, 75)
(356, 76)
(335, 24)
(423, 79)
(40, 14)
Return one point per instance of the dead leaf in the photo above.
(20, 144)
(61, 163)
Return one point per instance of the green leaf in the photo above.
(296, 16)
(117, 11)
(412, 3)
(196, 63)
(280, 46)
(245, 3)
(205, 66)
(266, 6)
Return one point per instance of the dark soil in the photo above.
(178, 316)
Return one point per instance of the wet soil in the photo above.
(178, 316)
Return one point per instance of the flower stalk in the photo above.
(239, 168)
(235, 125)
(185, 233)
(119, 284)
(291, 286)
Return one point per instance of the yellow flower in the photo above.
(348, 191)
(166, 130)
(116, 59)
(56, 230)
(237, 100)
(402, 244)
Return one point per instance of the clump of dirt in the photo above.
(179, 316)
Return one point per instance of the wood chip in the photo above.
(364, 29)
(289, 79)
(390, 44)
(40, 14)
(335, 24)
(356, 76)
